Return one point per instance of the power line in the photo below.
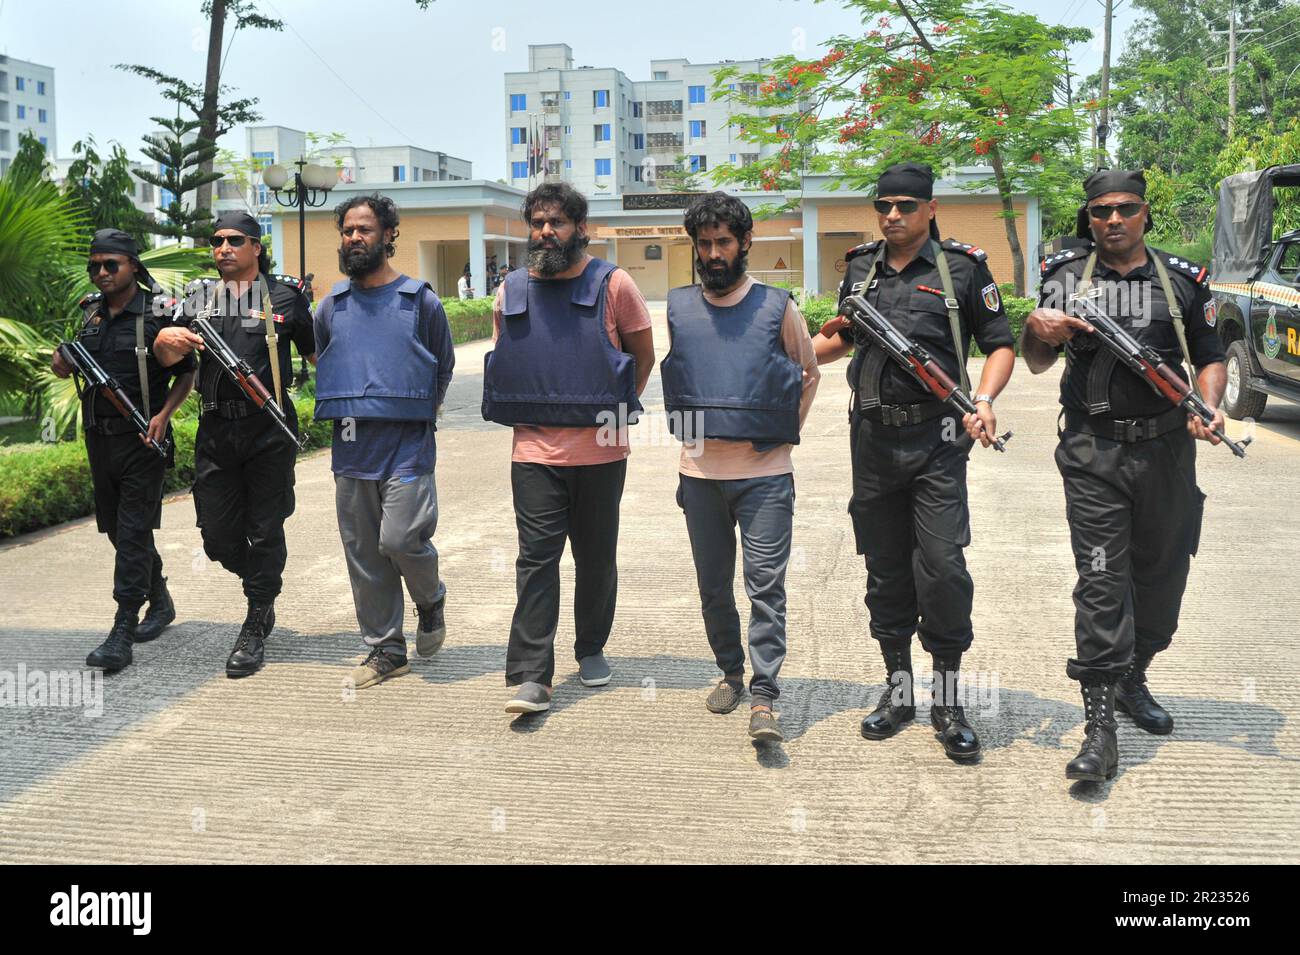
(324, 62)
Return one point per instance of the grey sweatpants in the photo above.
(387, 529)
(763, 507)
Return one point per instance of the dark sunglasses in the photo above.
(235, 240)
(111, 267)
(905, 206)
(1126, 209)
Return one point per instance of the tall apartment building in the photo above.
(608, 134)
(26, 105)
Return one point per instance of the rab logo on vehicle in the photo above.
(991, 300)
(1211, 312)
(74, 908)
(1272, 341)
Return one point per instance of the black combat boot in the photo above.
(247, 657)
(1133, 697)
(896, 705)
(115, 652)
(161, 612)
(1098, 758)
(947, 718)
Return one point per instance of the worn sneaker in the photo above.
(725, 697)
(763, 727)
(431, 630)
(593, 670)
(379, 666)
(530, 698)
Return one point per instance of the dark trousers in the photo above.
(763, 507)
(554, 504)
(128, 481)
(243, 492)
(911, 521)
(1135, 522)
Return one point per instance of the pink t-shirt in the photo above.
(625, 312)
(717, 460)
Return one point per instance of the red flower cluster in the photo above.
(851, 130)
(982, 146)
(931, 136)
(941, 29)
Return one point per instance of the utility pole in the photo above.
(1231, 33)
(1103, 128)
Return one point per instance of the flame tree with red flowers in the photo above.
(951, 83)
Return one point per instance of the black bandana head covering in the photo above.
(244, 223)
(117, 242)
(1105, 181)
(909, 179)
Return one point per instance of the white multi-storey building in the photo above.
(607, 134)
(26, 105)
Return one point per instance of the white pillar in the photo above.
(477, 254)
(811, 266)
(612, 251)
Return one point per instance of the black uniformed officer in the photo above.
(120, 323)
(909, 506)
(1126, 454)
(243, 462)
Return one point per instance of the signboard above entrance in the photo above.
(658, 200)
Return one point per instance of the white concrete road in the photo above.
(186, 765)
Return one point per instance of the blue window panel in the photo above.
(518, 135)
(699, 164)
(264, 222)
(568, 164)
(697, 94)
(602, 133)
(731, 158)
(40, 87)
(22, 111)
(638, 140)
(18, 83)
(42, 116)
(518, 102)
(263, 159)
(636, 109)
(697, 128)
(45, 142)
(568, 130)
(568, 94)
(399, 174)
(601, 98)
(603, 167)
(519, 170)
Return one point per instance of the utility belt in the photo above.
(1127, 430)
(900, 416)
(231, 410)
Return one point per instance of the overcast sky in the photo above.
(383, 72)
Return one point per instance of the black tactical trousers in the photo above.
(128, 480)
(1135, 521)
(243, 492)
(911, 520)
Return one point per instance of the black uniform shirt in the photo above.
(111, 342)
(1138, 302)
(246, 335)
(904, 298)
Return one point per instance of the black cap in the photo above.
(907, 179)
(117, 242)
(1104, 181)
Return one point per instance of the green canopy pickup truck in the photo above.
(1256, 285)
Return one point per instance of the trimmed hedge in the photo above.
(46, 484)
(470, 319)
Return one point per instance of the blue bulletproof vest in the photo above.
(730, 365)
(553, 362)
(376, 369)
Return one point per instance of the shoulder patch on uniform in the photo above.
(1191, 270)
(290, 280)
(860, 249)
(1054, 261)
(976, 253)
(199, 284)
(90, 299)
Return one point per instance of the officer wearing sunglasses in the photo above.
(243, 462)
(1126, 455)
(119, 324)
(908, 507)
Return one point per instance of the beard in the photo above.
(546, 258)
(718, 278)
(356, 262)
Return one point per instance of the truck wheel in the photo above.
(1239, 399)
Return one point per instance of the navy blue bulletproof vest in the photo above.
(376, 370)
(730, 365)
(553, 363)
